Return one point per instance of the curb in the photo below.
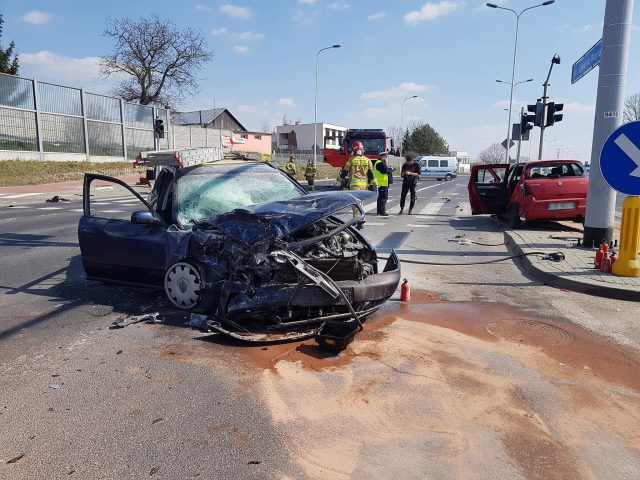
(566, 283)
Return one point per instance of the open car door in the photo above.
(488, 188)
(122, 240)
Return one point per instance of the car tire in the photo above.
(514, 216)
(183, 285)
(448, 178)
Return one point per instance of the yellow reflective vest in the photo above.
(381, 178)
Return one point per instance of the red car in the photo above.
(536, 190)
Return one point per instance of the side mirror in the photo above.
(144, 217)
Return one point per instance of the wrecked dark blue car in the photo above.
(244, 244)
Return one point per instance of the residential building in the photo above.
(251, 142)
(300, 136)
(464, 163)
(204, 128)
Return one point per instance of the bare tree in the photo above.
(266, 127)
(285, 119)
(632, 108)
(494, 153)
(155, 61)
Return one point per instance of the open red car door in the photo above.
(488, 188)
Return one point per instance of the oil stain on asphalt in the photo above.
(455, 389)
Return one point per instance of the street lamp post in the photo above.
(515, 54)
(315, 105)
(402, 123)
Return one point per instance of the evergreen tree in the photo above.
(8, 57)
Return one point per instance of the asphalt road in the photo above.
(168, 401)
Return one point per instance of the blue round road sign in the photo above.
(620, 159)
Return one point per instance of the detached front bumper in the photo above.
(376, 288)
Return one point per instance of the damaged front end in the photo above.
(278, 271)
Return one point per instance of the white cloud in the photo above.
(338, 5)
(36, 17)
(287, 102)
(50, 66)
(431, 11)
(235, 10)
(240, 49)
(377, 16)
(584, 28)
(577, 107)
(203, 8)
(307, 2)
(404, 89)
(249, 36)
(219, 31)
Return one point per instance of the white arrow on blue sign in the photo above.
(620, 159)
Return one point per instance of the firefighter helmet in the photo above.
(357, 145)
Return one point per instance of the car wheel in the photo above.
(448, 178)
(183, 285)
(514, 216)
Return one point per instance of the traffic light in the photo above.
(539, 121)
(158, 128)
(552, 113)
(528, 119)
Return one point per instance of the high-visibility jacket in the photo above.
(358, 168)
(310, 171)
(290, 168)
(381, 178)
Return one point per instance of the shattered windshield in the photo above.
(205, 196)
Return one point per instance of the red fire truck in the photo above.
(373, 139)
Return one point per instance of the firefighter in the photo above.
(359, 169)
(290, 167)
(310, 173)
(382, 172)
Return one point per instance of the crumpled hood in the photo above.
(278, 219)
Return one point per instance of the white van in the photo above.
(439, 168)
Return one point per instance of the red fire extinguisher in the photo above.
(405, 291)
(604, 248)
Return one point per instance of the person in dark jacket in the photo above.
(382, 171)
(410, 174)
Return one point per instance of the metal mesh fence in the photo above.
(138, 140)
(16, 92)
(57, 99)
(99, 107)
(18, 130)
(105, 139)
(138, 116)
(62, 134)
(60, 117)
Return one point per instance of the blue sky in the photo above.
(448, 52)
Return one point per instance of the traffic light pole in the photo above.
(545, 98)
(601, 199)
(520, 136)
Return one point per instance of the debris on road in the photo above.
(56, 199)
(15, 459)
(131, 319)
(55, 386)
(197, 320)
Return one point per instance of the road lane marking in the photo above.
(374, 224)
(49, 208)
(413, 225)
(77, 210)
(21, 195)
(432, 208)
(112, 211)
(19, 206)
